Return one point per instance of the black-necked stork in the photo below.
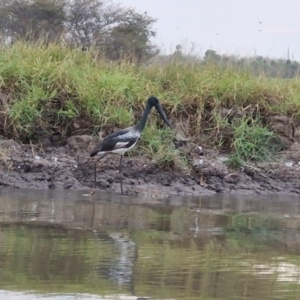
(125, 139)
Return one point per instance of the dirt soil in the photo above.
(70, 167)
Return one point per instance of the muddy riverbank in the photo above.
(70, 167)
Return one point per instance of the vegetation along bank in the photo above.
(235, 131)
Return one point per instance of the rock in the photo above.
(10, 145)
(80, 142)
(180, 136)
(282, 126)
(232, 178)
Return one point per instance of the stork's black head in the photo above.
(153, 101)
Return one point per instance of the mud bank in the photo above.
(70, 167)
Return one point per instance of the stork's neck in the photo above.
(140, 126)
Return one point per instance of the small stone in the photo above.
(233, 178)
(289, 164)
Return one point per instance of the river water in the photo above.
(65, 245)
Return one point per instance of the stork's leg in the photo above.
(95, 173)
(95, 170)
(121, 176)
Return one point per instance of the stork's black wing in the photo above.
(124, 138)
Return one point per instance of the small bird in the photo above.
(123, 140)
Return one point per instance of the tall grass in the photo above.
(53, 88)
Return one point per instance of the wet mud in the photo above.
(70, 167)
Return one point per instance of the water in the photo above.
(62, 245)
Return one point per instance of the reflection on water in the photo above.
(61, 245)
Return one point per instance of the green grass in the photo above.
(50, 88)
(251, 141)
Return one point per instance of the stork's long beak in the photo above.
(162, 114)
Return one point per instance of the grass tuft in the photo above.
(251, 141)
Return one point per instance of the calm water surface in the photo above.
(63, 245)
